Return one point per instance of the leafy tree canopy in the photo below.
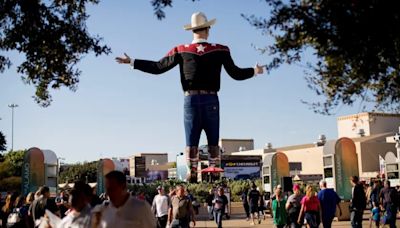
(12, 164)
(53, 37)
(357, 45)
(79, 171)
(3, 142)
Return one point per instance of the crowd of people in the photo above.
(313, 208)
(80, 207)
(117, 207)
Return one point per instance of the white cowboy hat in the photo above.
(199, 20)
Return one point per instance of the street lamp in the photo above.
(12, 106)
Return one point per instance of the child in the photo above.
(375, 216)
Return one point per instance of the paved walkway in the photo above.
(238, 220)
(242, 223)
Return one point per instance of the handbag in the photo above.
(13, 217)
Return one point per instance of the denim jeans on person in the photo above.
(201, 112)
(180, 223)
(218, 217)
(247, 209)
(210, 212)
(162, 221)
(356, 218)
(327, 222)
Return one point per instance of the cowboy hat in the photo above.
(199, 21)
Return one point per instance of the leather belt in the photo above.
(200, 92)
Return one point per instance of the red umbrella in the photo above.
(212, 170)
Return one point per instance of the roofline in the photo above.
(374, 114)
(236, 140)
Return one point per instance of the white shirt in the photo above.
(161, 204)
(76, 219)
(134, 213)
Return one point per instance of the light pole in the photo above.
(12, 106)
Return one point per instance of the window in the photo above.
(328, 161)
(266, 180)
(393, 175)
(295, 166)
(328, 172)
(266, 170)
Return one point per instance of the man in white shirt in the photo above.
(79, 215)
(123, 211)
(161, 204)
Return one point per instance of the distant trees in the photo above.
(10, 170)
(79, 171)
(3, 142)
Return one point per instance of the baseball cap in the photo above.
(296, 187)
(279, 186)
(159, 187)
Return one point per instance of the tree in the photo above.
(159, 6)
(79, 171)
(15, 159)
(3, 142)
(356, 43)
(53, 37)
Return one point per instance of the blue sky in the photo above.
(117, 111)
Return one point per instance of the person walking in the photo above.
(7, 208)
(293, 206)
(254, 198)
(220, 203)
(209, 201)
(41, 204)
(123, 210)
(375, 193)
(245, 203)
(160, 206)
(200, 66)
(181, 211)
(388, 198)
(311, 209)
(261, 206)
(279, 210)
(358, 203)
(80, 211)
(328, 199)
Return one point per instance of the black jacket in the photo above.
(358, 200)
(200, 65)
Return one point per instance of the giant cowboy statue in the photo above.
(200, 68)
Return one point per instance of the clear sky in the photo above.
(118, 111)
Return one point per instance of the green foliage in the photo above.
(16, 161)
(53, 37)
(356, 43)
(12, 164)
(10, 184)
(159, 6)
(10, 170)
(199, 190)
(79, 171)
(3, 142)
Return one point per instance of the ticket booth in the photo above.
(392, 171)
(275, 167)
(340, 163)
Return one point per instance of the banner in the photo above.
(346, 165)
(33, 171)
(241, 170)
(381, 166)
